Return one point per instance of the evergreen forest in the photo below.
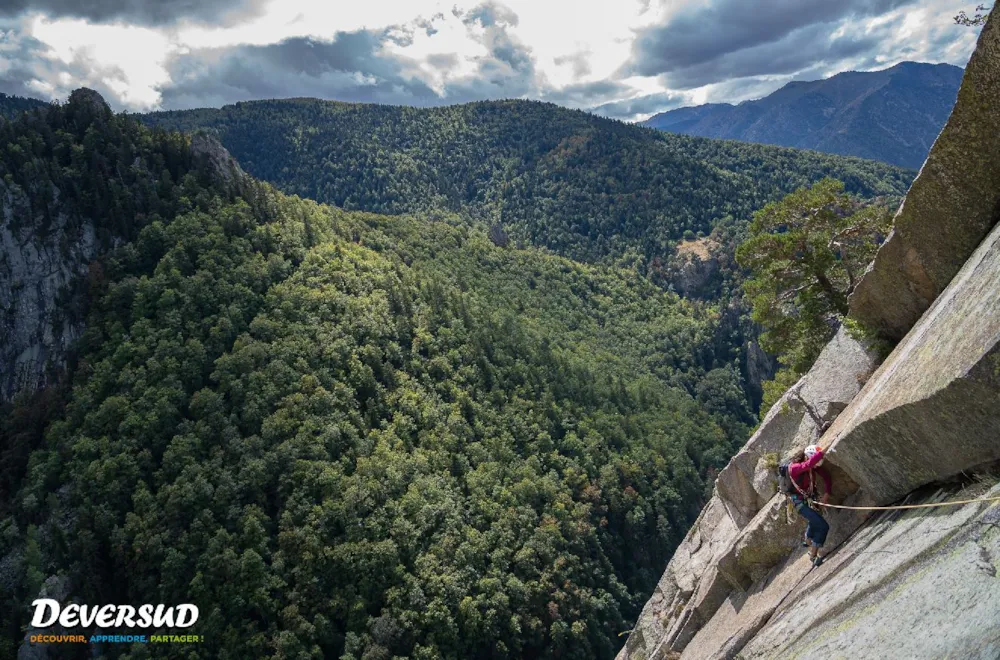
(419, 389)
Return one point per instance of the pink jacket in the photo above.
(802, 475)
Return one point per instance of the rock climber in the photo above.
(803, 470)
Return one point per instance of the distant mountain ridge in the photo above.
(892, 115)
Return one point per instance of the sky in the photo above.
(626, 59)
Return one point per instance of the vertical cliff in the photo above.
(923, 426)
(45, 245)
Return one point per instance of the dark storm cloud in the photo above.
(355, 66)
(800, 49)
(686, 47)
(349, 68)
(139, 12)
(587, 94)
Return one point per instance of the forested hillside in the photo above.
(342, 434)
(12, 106)
(585, 187)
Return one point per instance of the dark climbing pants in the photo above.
(817, 528)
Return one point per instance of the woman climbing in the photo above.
(803, 470)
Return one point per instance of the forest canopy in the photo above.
(585, 187)
(344, 434)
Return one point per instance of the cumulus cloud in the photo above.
(357, 66)
(798, 50)
(641, 106)
(140, 12)
(28, 68)
(349, 68)
(173, 54)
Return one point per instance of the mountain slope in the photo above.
(13, 106)
(891, 115)
(583, 186)
(338, 433)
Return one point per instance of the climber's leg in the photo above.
(817, 528)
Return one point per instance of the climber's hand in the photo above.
(825, 499)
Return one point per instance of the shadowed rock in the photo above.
(932, 409)
(221, 162)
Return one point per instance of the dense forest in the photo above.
(343, 434)
(12, 106)
(359, 435)
(585, 187)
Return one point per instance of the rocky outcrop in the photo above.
(758, 367)
(220, 161)
(929, 413)
(949, 209)
(91, 102)
(746, 484)
(932, 410)
(34, 271)
(722, 551)
(695, 266)
(908, 583)
(690, 588)
(922, 583)
(56, 587)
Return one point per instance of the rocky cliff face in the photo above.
(45, 258)
(35, 269)
(919, 584)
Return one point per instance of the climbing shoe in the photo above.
(817, 561)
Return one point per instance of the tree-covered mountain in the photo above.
(342, 434)
(12, 106)
(586, 187)
(892, 115)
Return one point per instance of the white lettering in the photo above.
(40, 605)
(125, 615)
(106, 619)
(163, 618)
(68, 618)
(145, 616)
(48, 611)
(186, 609)
(87, 616)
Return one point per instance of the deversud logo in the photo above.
(49, 612)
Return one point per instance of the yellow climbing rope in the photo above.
(907, 506)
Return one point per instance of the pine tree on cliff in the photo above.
(805, 254)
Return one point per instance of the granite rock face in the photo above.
(722, 551)
(33, 272)
(932, 410)
(950, 208)
(929, 413)
(689, 587)
(916, 584)
(921, 583)
(746, 484)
